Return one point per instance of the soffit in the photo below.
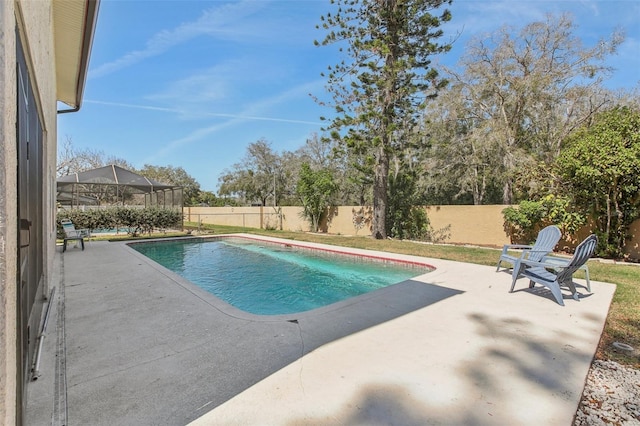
(73, 27)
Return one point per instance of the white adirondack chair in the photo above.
(553, 276)
(545, 243)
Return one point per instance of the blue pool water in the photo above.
(270, 279)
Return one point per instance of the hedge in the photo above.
(135, 220)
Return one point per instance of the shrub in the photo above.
(136, 220)
(523, 222)
(600, 165)
(316, 189)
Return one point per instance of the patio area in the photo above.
(129, 342)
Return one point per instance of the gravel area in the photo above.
(611, 396)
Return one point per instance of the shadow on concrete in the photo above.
(520, 355)
(373, 309)
(378, 404)
(143, 347)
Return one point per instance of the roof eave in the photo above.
(74, 28)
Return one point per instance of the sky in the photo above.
(192, 83)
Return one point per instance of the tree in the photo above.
(175, 176)
(209, 199)
(601, 168)
(258, 177)
(379, 92)
(519, 94)
(461, 164)
(315, 189)
(352, 172)
(74, 160)
(406, 219)
(316, 151)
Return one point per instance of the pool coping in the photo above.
(231, 310)
(129, 344)
(365, 253)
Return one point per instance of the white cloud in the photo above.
(204, 87)
(220, 21)
(236, 84)
(473, 18)
(254, 112)
(224, 81)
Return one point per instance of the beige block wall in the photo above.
(34, 20)
(474, 225)
(227, 216)
(350, 220)
(632, 248)
(291, 219)
(468, 224)
(481, 225)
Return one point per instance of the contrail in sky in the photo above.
(210, 114)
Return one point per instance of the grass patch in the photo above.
(623, 320)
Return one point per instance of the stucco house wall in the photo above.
(33, 21)
(7, 214)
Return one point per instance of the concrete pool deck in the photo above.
(128, 342)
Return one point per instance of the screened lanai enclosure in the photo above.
(114, 186)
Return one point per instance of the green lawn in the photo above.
(623, 321)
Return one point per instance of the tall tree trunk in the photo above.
(380, 195)
(619, 220)
(507, 192)
(608, 227)
(479, 189)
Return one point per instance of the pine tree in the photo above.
(381, 88)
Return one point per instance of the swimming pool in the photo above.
(110, 230)
(270, 279)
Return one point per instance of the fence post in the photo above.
(261, 218)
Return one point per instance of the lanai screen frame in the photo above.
(119, 177)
